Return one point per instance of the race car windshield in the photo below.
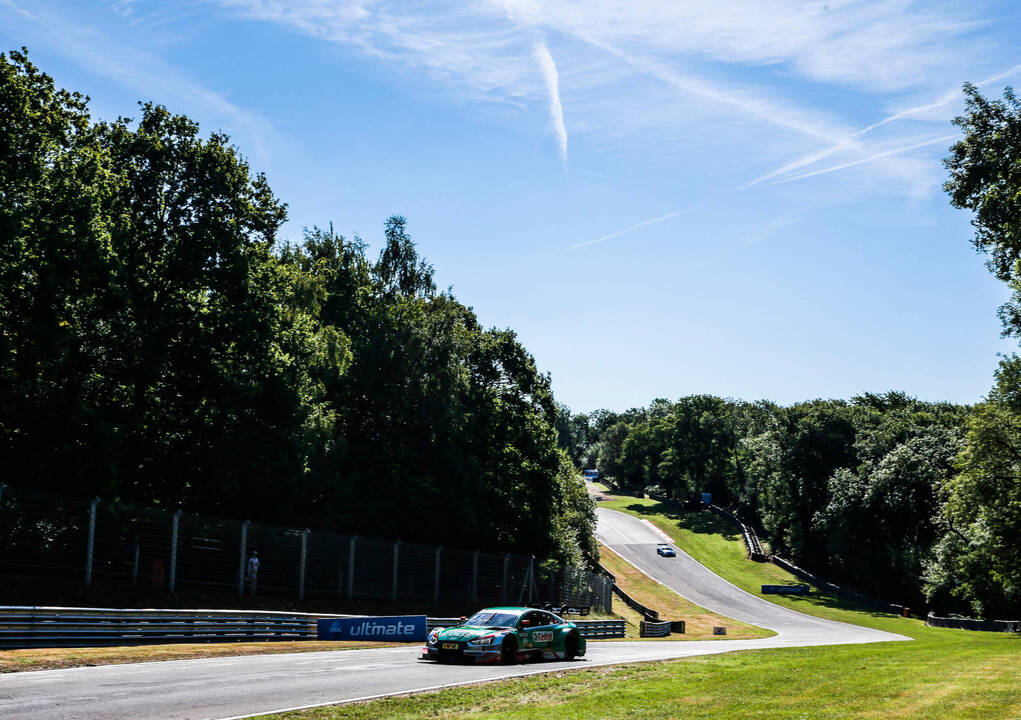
(491, 619)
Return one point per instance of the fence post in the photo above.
(506, 576)
(475, 577)
(134, 565)
(173, 550)
(351, 566)
(243, 557)
(436, 576)
(91, 545)
(397, 554)
(301, 570)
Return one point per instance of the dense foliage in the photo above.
(980, 558)
(848, 489)
(158, 344)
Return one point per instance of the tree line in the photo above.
(911, 501)
(160, 344)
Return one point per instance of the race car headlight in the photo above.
(487, 640)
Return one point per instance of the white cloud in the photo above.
(556, 109)
(142, 71)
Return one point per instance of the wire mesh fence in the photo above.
(81, 541)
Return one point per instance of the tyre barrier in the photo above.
(655, 629)
(1010, 626)
(39, 627)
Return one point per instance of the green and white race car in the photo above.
(506, 634)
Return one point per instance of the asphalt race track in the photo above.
(242, 686)
(635, 540)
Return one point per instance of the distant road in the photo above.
(241, 686)
(636, 540)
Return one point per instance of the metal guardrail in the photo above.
(655, 629)
(1011, 626)
(28, 626)
(40, 627)
(751, 540)
(596, 629)
(433, 623)
(646, 612)
(839, 591)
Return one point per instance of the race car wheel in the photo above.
(571, 646)
(509, 650)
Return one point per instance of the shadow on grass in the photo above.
(702, 522)
(821, 599)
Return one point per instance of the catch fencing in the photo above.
(71, 540)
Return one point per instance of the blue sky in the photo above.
(662, 198)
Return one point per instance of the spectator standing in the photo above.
(253, 572)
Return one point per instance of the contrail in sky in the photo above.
(653, 221)
(870, 158)
(556, 109)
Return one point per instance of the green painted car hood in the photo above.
(468, 632)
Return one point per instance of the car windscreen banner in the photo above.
(402, 628)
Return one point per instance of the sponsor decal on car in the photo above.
(542, 636)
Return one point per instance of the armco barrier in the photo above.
(596, 629)
(1011, 626)
(655, 629)
(29, 626)
(23, 627)
(647, 613)
(840, 591)
(751, 540)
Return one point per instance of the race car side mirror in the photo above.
(526, 623)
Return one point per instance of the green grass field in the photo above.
(940, 674)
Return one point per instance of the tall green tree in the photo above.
(983, 508)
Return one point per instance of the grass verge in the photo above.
(942, 674)
(58, 658)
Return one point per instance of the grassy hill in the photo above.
(942, 674)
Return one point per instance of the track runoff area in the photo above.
(238, 687)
